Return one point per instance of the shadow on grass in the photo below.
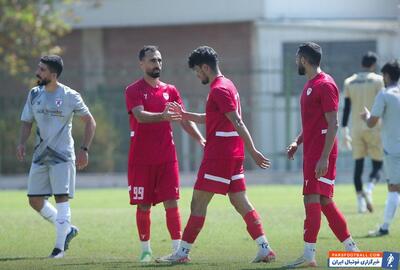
(21, 259)
(123, 264)
(269, 268)
(366, 236)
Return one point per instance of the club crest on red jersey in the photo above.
(309, 90)
(166, 95)
(58, 102)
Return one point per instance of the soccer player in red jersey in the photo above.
(319, 115)
(221, 171)
(153, 174)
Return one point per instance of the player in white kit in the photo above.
(387, 108)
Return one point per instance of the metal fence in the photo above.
(110, 148)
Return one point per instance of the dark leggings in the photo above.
(358, 170)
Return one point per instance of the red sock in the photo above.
(143, 224)
(336, 220)
(254, 224)
(174, 225)
(312, 223)
(193, 228)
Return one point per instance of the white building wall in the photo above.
(112, 13)
(327, 9)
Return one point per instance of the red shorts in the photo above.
(152, 184)
(221, 176)
(324, 185)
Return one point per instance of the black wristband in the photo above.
(84, 148)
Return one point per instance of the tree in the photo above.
(28, 28)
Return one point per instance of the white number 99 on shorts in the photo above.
(138, 193)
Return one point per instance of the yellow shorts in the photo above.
(367, 143)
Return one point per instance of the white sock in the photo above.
(350, 245)
(145, 246)
(262, 242)
(362, 204)
(370, 187)
(184, 249)
(175, 244)
(49, 212)
(63, 223)
(309, 251)
(392, 203)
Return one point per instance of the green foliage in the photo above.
(102, 151)
(29, 29)
(11, 109)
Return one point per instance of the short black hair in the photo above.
(147, 48)
(369, 59)
(392, 68)
(54, 63)
(312, 52)
(204, 55)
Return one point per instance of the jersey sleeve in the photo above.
(346, 90)
(27, 112)
(379, 105)
(224, 99)
(329, 98)
(78, 105)
(132, 99)
(379, 85)
(176, 96)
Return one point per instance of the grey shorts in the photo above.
(48, 180)
(392, 168)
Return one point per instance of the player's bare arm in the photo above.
(370, 120)
(25, 131)
(193, 131)
(143, 116)
(82, 158)
(292, 148)
(243, 132)
(323, 163)
(191, 116)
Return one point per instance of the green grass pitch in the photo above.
(108, 236)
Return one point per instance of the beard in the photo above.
(205, 81)
(155, 73)
(301, 70)
(42, 82)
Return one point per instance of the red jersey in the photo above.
(320, 95)
(222, 140)
(151, 143)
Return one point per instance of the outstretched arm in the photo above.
(369, 119)
(143, 116)
(243, 132)
(292, 148)
(191, 116)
